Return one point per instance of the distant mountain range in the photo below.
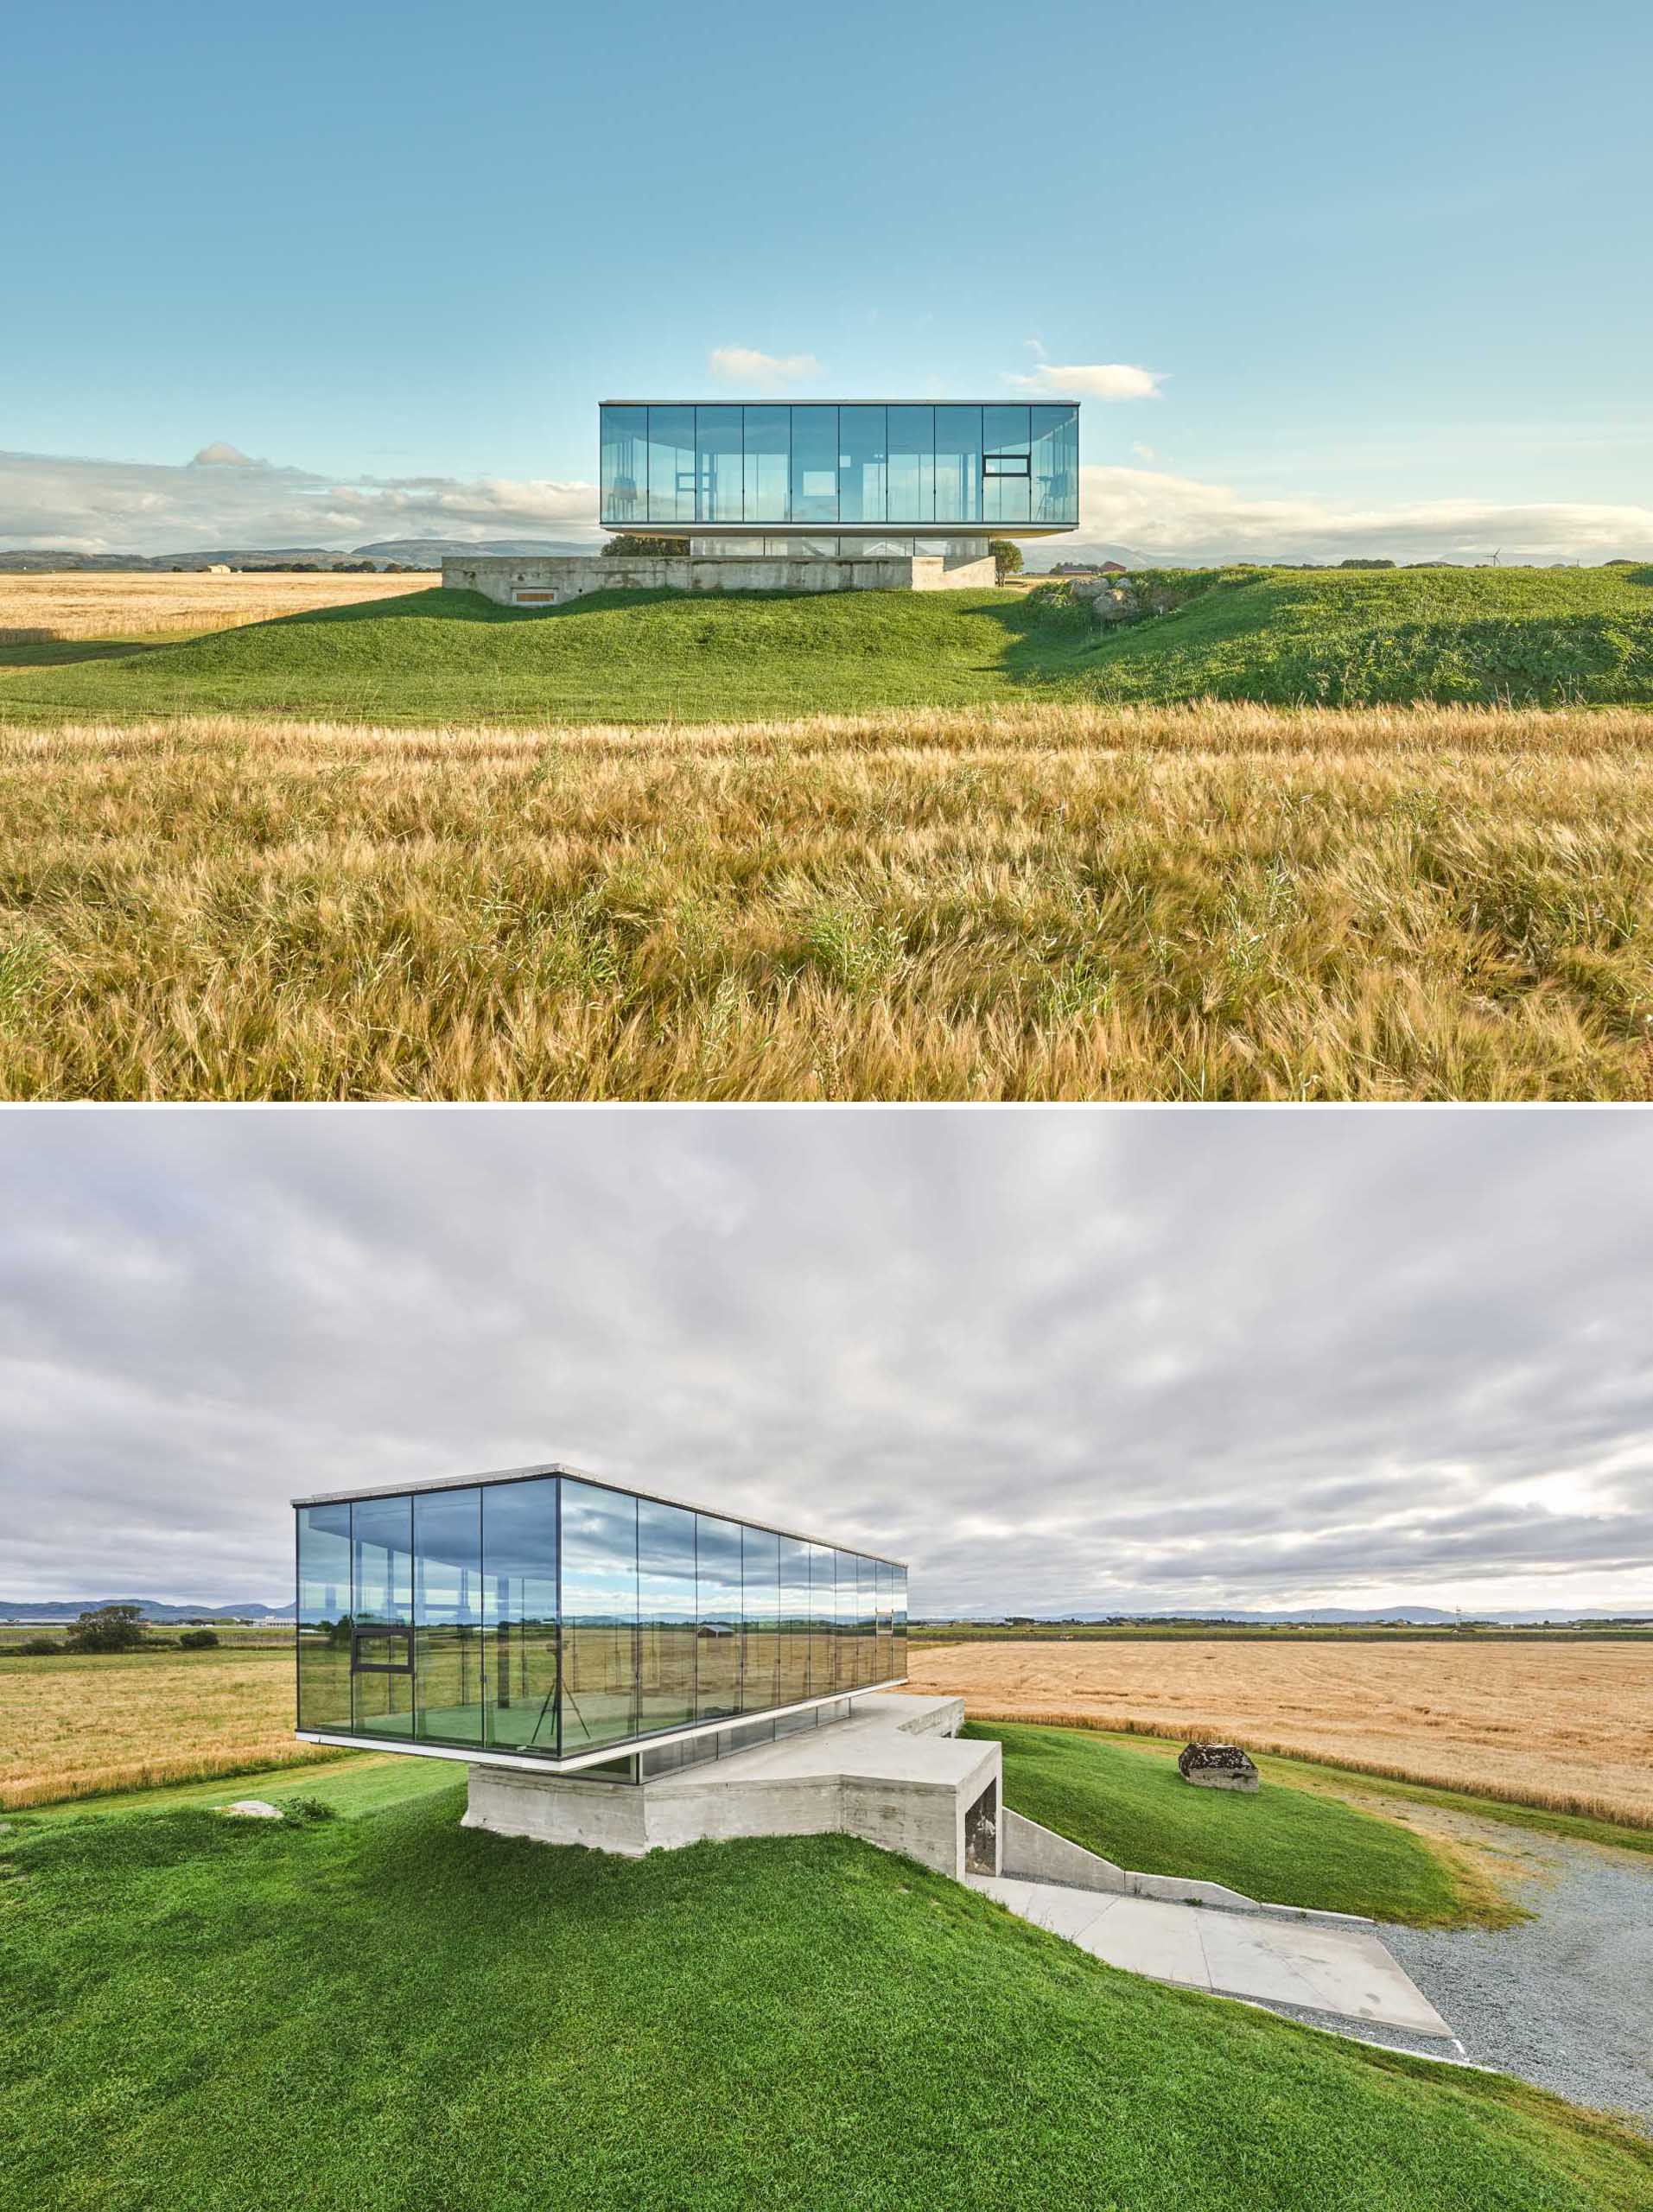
(410, 552)
(68, 1608)
(1326, 1617)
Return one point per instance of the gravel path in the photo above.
(1564, 2000)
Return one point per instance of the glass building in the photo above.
(538, 1617)
(832, 477)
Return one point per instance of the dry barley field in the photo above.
(121, 603)
(1042, 901)
(71, 1727)
(1567, 1728)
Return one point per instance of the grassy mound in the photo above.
(1286, 637)
(1286, 1846)
(394, 2011)
(1540, 637)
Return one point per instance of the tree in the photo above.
(1007, 557)
(632, 546)
(198, 1639)
(109, 1628)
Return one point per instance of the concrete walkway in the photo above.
(1347, 1972)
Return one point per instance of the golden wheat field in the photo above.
(71, 1727)
(134, 603)
(1567, 1728)
(1038, 902)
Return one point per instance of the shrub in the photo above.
(1007, 557)
(198, 1639)
(634, 545)
(310, 1808)
(40, 1647)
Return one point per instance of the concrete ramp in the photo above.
(1343, 1971)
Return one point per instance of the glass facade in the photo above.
(908, 465)
(544, 1615)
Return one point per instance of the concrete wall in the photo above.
(1032, 1853)
(553, 581)
(885, 1774)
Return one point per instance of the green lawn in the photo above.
(392, 2011)
(1279, 636)
(1285, 1846)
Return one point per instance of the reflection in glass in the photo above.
(760, 1618)
(900, 1620)
(666, 1615)
(768, 463)
(448, 1614)
(866, 1621)
(794, 1681)
(519, 1614)
(598, 1551)
(324, 1617)
(823, 1620)
(717, 1632)
(843, 1649)
(381, 1531)
(672, 464)
(717, 461)
(885, 1585)
(624, 465)
(860, 464)
(958, 464)
(1056, 464)
(814, 464)
(912, 479)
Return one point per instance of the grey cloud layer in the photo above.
(1058, 1361)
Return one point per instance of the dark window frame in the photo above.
(381, 1633)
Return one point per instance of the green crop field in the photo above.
(385, 2011)
(1280, 637)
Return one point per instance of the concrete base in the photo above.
(892, 1774)
(552, 580)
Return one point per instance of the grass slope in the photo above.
(394, 2012)
(1544, 637)
(1285, 1846)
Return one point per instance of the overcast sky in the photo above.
(1331, 281)
(1058, 1360)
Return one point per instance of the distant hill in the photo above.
(152, 1609)
(410, 552)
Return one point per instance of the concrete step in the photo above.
(1347, 1972)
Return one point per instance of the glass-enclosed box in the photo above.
(855, 466)
(539, 1615)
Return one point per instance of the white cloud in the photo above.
(1178, 518)
(123, 506)
(743, 365)
(1144, 453)
(1101, 380)
(220, 455)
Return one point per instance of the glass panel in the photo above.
(860, 464)
(814, 464)
(625, 465)
(911, 484)
(886, 1584)
(804, 549)
(448, 1614)
(1056, 464)
(760, 1618)
(768, 464)
(823, 1619)
(843, 1658)
(866, 1621)
(958, 464)
(519, 1614)
(900, 1620)
(666, 1599)
(717, 464)
(1008, 489)
(672, 464)
(599, 1586)
(794, 1621)
(717, 1631)
(323, 1614)
(381, 1531)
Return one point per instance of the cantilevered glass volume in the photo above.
(862, 469)
(538, 1617)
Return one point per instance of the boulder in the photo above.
(254, 1809)
(1217, 1766)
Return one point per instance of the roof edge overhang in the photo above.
(1045, 399)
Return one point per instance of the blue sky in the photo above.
(1388, 269)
